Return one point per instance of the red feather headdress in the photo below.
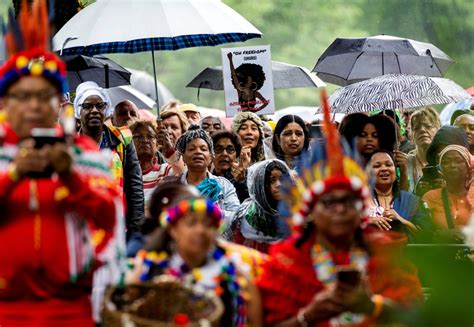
(27, 43)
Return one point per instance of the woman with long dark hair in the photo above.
(290, 139)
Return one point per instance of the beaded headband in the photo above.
(173, 214)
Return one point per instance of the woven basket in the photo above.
(155, 304)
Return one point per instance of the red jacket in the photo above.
(47, 255)
(289, 283)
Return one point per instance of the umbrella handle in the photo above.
(156, 86)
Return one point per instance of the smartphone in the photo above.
(43, 136)
(348, 275)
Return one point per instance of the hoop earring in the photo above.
(256, 86)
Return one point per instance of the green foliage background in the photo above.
(300, 30)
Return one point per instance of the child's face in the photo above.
(275, 184)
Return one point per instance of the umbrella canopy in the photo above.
(125, 26)
(447, 112)
(351, 60)
(285, 76)
(127, 92)
(144, 82)
(104, 71)
(395, 91)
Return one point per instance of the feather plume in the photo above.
(31, 30)
(334, 152)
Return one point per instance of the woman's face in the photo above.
(368, 140)
(29, 103)
(454, 168)
(275, 184)
(382, 169)
(197, 155)
(93, 112)
(337, 215)
(225, 154)
(249, 134)
(145, 142)
(423, 132)
(291, 139)
(194, 235)
(173, 126)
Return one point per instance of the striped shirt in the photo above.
(153, 176)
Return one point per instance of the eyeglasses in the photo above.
(331, 203)
(100, 106)
(41, 96)
(229, 149)
(143, 138)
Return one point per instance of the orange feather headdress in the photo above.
(27, 43)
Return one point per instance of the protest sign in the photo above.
(248, 85)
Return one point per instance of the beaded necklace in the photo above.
(325, 269)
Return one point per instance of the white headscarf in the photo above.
(87, 89)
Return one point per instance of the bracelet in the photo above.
(301, 319)
(378, 302)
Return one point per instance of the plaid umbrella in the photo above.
(120, 26)
(395, 91)
(351, 60)
(104, 71)
(285, 76)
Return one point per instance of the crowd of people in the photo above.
(285, 227)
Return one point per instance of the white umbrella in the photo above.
(130, 26)
(448, 111)
(127, 92)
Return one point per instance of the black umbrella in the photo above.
(104, 71)
(285, 76)
(351, 60)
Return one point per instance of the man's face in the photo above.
(211, 125)
(193, 117)
(125, 113)
(466, 122)
(31, 102)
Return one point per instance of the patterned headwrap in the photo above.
(27, 42)
(463, 151)
(241, 118)
(194, 132)
(326, 168)
(200, 205)
(87, 89)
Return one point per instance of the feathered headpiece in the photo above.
(27, 43)
(329, 166)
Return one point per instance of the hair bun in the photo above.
(194, 127)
